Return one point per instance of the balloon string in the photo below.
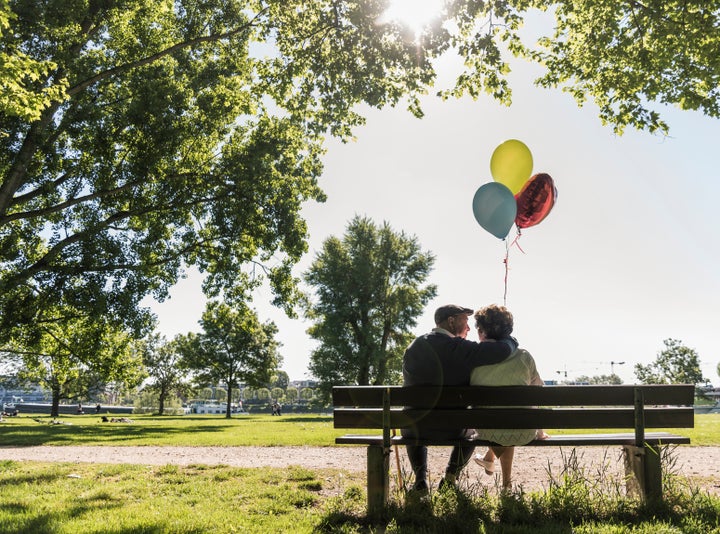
(505, 261)
(516, 241)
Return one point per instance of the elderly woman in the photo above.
(496, 322)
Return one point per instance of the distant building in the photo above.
(32, 393)
(713, 393)
(212, 407)
(300, 384)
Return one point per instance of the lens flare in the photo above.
(414, 14)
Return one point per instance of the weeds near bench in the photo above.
(579, 499)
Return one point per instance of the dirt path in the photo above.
(699, 465)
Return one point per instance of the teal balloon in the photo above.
(495, 208)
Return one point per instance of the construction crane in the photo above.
(612, 363)
(564, 372)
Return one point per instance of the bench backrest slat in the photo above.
(510, 407)
(461, 396)
(372, 418)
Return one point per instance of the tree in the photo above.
(291, 395)
(71, 355)
(675, 364)
(369, 292)
(162, 363)
(280, 380)
(20, 95)
(139, 138)
(233, 347)
(159, 154)
(599, 379)
(628, 57)
(204, 393)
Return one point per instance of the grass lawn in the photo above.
(44, 498)
(215, 430)
(182, 430)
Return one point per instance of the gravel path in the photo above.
(700, 465)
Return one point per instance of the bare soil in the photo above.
(533, 469)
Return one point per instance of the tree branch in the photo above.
(154, 57)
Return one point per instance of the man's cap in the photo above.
(443, 312)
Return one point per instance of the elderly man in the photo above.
(445, 357)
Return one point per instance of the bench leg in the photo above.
(378, 479)
(644, 472)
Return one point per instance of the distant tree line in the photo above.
(675, 364)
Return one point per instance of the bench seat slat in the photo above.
(568, 440)
(514, 418)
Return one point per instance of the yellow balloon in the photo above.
(511, 164)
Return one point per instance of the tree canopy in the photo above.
(233, 347)
(139, 137)
(612, 378)
(74, 356)
(369, 290)
(162, 361)
(675, 364)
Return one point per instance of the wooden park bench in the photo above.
(620, 407)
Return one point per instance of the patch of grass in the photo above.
(579, 500)
(188, 430)
(95, 498)
(61, 498)
(520, 513)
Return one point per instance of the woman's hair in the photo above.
(496, 321)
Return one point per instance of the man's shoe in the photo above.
(420, 487)
(420, 492)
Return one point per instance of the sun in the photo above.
(414, 14)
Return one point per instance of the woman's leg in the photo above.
(487, 462)
(505, 455)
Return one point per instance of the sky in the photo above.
(626, 259)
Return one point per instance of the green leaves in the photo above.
(163, 155)
(631, 56)
(369, 290)
(676, 364)
(233, 347)
(71, 353)
(140, 137)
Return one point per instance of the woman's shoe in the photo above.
(488, 466)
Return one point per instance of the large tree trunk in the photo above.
(161, 401)
(228, 404)
(55, 407)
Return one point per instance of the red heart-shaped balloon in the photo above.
(535, 200)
